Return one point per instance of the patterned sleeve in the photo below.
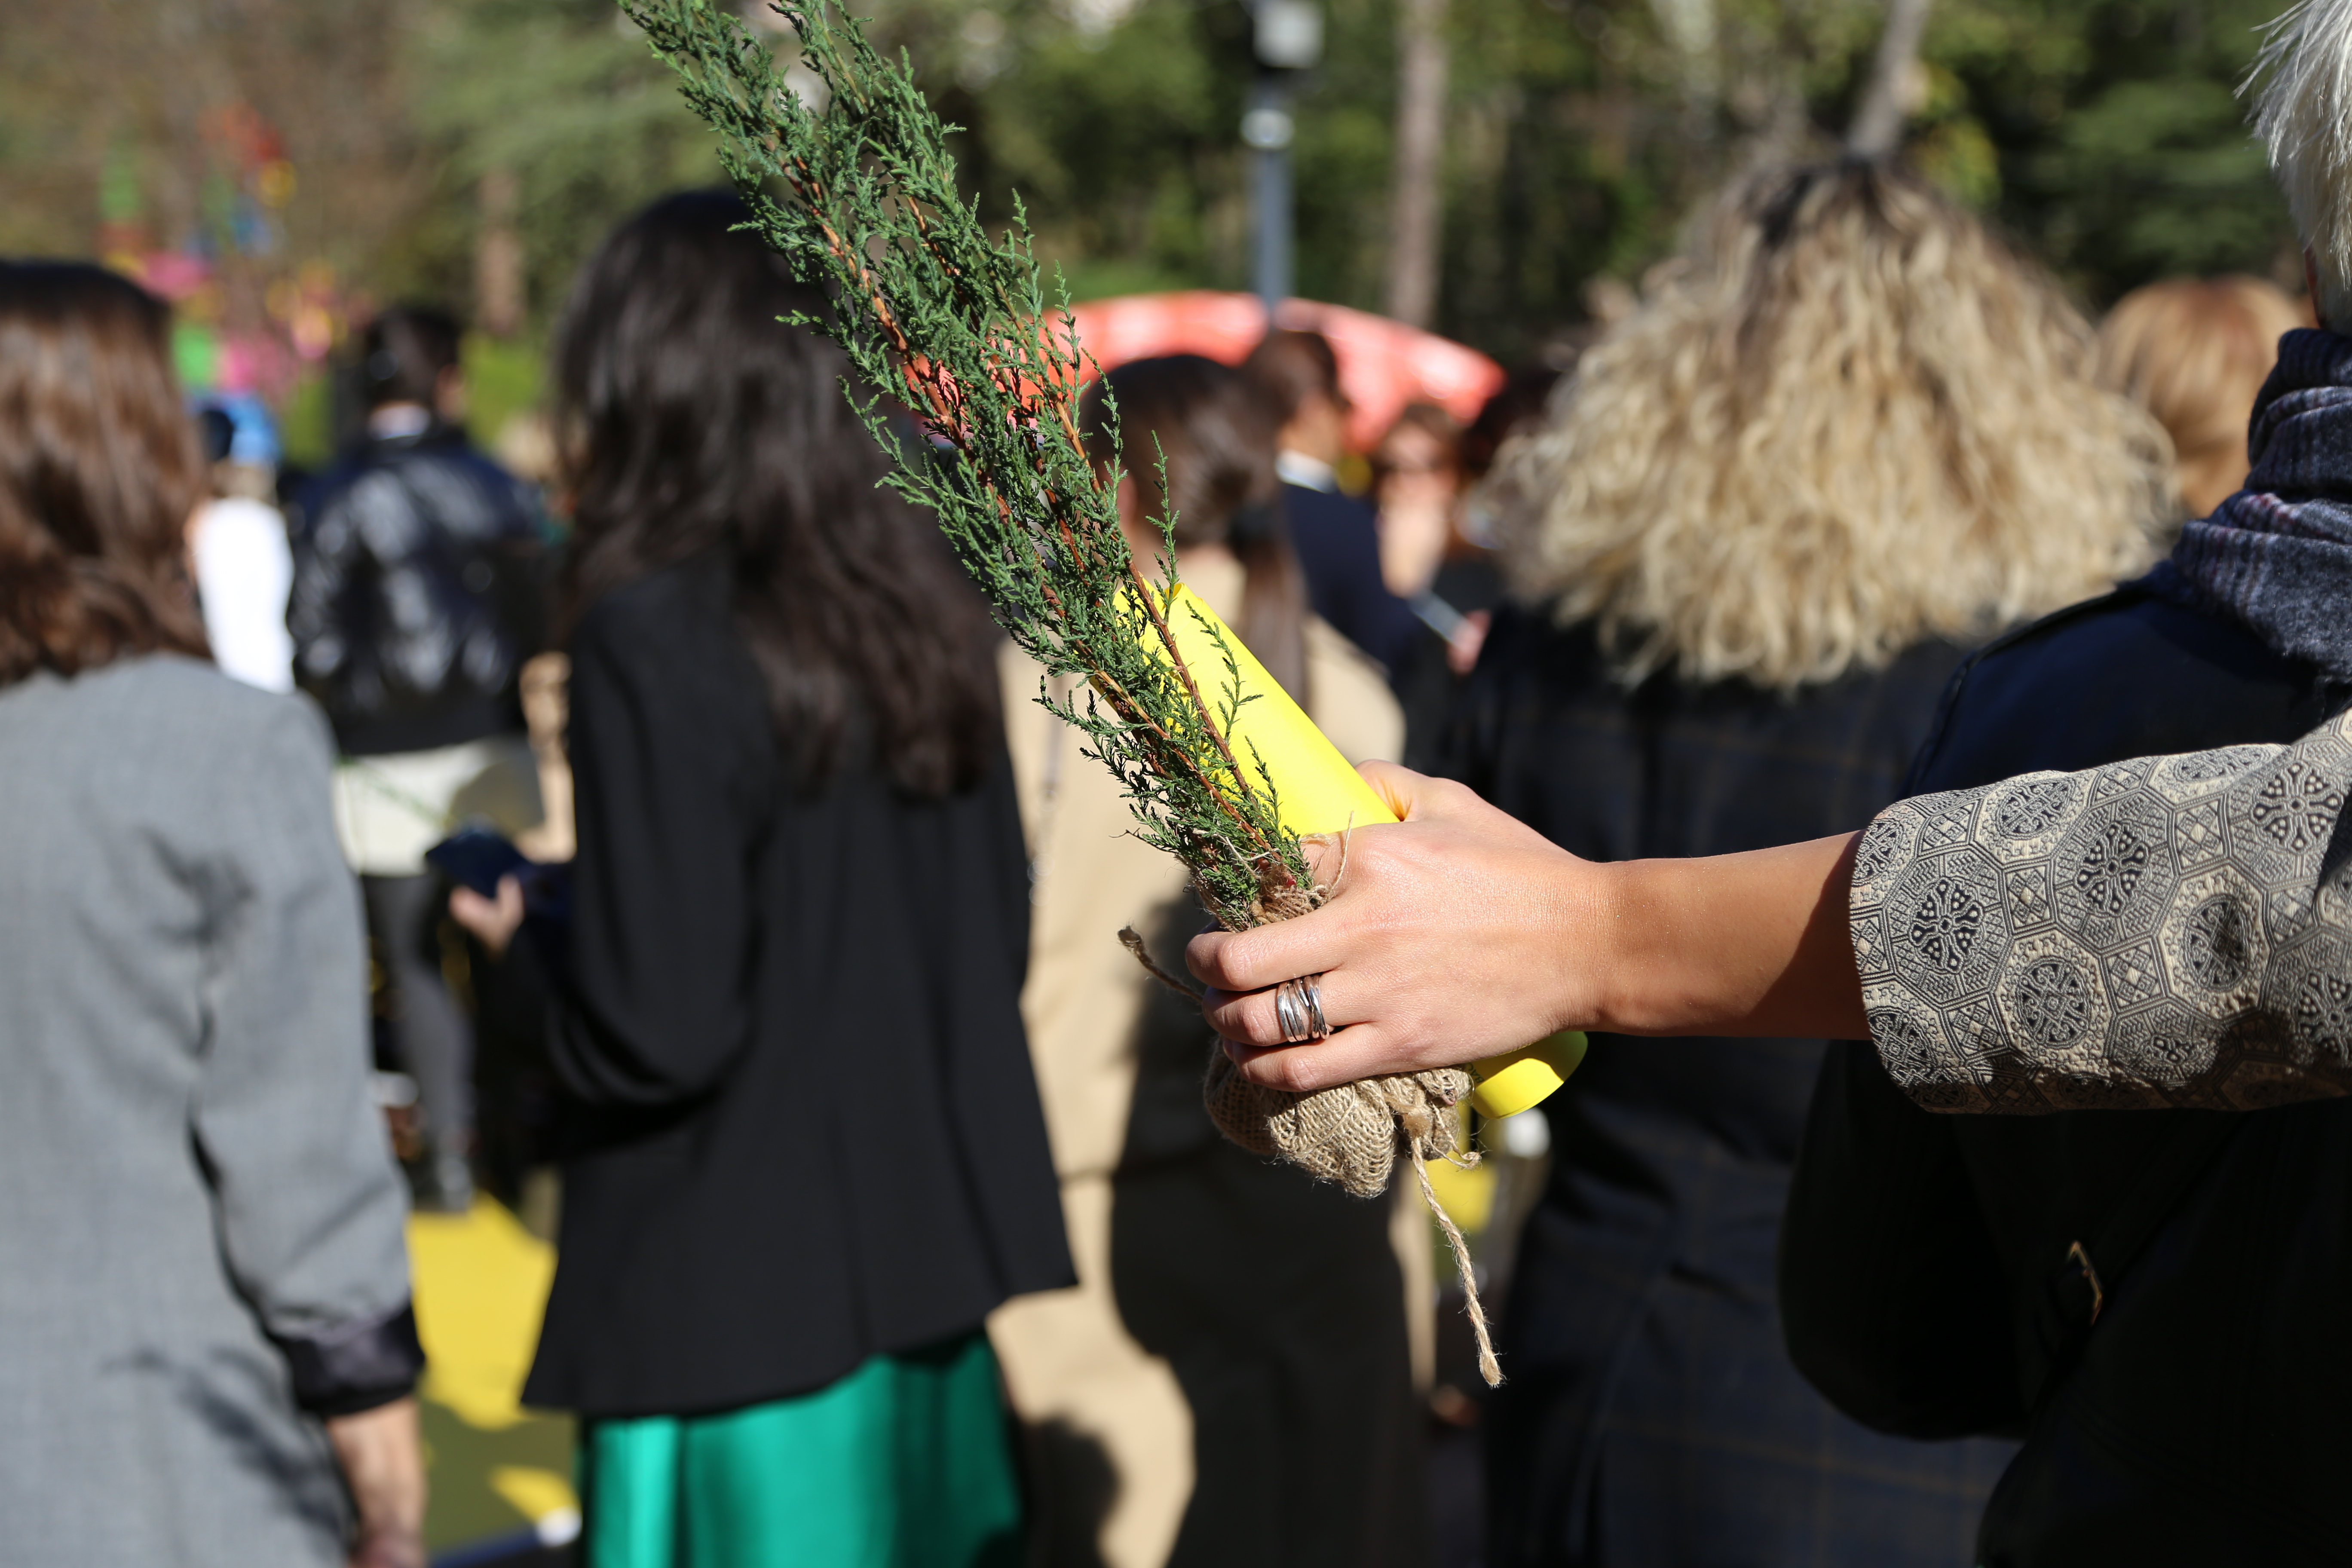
(2153, 933)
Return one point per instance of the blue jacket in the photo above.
(2193, 1412)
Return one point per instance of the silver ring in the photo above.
(1299, 1010)
(1290, 1012)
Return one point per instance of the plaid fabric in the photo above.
(2278, 554)
(1651, 1414)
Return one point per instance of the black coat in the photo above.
(2204, 1416)
(795, 1022)
(1651, 1414)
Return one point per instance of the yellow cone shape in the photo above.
(1317, 790)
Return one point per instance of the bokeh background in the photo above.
(280, 166)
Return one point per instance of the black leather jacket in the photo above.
(417, 589)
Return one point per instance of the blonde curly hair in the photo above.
(1847, 420)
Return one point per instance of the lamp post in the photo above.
(1288, 40)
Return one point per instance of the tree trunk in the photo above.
(1417, 189)
(1891, 94)
(498, 257)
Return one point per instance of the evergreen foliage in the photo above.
(942, 318)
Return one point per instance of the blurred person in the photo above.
(238, 545)
(1518, 404)
(1335, 535)
(1851, 435)
(413, 608)
(797, 834)
(1231, 1380)
(206, 1350)
(1416, 484)
(1427, 560)
(2164, 1328)
(2194, 352)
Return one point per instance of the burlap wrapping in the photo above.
(1350, 1134)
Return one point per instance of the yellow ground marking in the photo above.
(482, 1284)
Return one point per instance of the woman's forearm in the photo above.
(1458, 934)
(1753, 943)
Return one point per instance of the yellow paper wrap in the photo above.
(1317, 790)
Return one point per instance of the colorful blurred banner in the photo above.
(1383, 364)
(248, 317)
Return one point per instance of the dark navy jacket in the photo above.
(1339, 544)
(2204, 1415)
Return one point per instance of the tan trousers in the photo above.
(1107, 1422)
(1081, 1382)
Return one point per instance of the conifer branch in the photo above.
(951, 324)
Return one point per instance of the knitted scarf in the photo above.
(2277, 556)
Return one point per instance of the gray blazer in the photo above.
(198, 1209)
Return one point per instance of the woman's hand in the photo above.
(384, 1464)
(1450, 939)
(493, 921)
(1461, 933)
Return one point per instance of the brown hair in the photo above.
(99, 473)
(2194, 352)
(1210, 425)
(1431, 421)
(1289, 367)
(1517, 404)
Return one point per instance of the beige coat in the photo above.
(1083, 1386)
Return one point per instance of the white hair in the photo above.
(2302, 112)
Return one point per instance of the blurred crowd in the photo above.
(659, 805)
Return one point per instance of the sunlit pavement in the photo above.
(501, 1476)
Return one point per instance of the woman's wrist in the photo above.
(381, 1457)
(1611, 962)
(1750, 943)
(1623, 962)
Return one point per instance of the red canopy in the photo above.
(1383, 364)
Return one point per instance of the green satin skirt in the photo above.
(905, 1463)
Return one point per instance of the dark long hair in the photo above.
(690, 422)
(99, 473)
(1213, 427)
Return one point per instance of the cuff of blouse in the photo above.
(354, 1366)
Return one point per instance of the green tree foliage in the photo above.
(2124, 150)
(2103, 132)
(565, 95)
(1582, 133)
